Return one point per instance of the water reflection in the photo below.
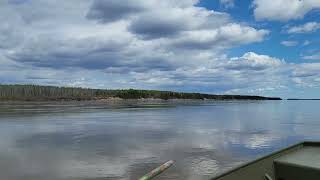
(91, 140)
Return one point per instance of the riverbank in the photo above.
(53, 93)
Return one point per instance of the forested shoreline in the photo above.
(53, 93)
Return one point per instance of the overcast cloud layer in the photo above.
(168, 44)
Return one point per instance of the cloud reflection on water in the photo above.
(106, 143)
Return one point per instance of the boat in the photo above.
(298, 162)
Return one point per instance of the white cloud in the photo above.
(226, 36)
(255, 61)
(71, 48)
(306, 43)
(306, 74)
(283, 10)
(305, 28)
(227, 3)
(312, 57)
(123, 42)
(264, 73)
(241, 34)
(289, 43)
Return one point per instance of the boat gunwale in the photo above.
(297, 145)
(298, 166)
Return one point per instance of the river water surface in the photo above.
(124, 140)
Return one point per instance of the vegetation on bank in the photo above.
(38, 93)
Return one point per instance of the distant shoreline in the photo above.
(295, 99)
(119, 100)
(54, 93)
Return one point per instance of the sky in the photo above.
(255, 47)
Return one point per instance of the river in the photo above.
(124, 140)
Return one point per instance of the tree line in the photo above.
(35, 92)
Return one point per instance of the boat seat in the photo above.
(302, 164)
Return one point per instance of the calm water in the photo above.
(126, 140)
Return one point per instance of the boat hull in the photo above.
(262, 168)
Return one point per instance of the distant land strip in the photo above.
(53, 93)
(295, 99)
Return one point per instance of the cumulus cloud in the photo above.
(112, 10)
(254, 61)
(170, 21)
(151, 25)
(138, 37)
(226, 36)
(312, 57)
(289, 43)
(241, 34)
(306, 74)
(10, 36)
(283, 10)
(306, 43)
(169, 44)
(225, 74)
(305, 28)
(227, 3)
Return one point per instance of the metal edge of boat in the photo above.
(269, 173)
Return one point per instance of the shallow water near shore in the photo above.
(124, 140)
